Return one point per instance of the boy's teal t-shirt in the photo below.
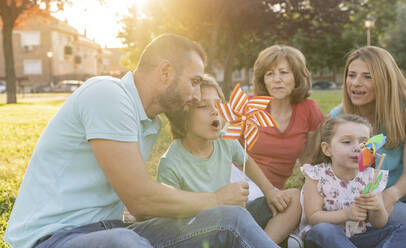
(393, 160)
(181, 169)
(64, 187)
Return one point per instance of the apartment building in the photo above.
(47, 51)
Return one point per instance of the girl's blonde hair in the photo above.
(178, 121)
(390, 90)
(269, 57)
(328, 130)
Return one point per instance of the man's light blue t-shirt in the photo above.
(64, 186)
(183, 170)
(393, 160)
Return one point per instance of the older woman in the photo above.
(281, 72)
(375, 88)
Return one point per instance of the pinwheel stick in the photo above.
(245, 156)
(378, 168)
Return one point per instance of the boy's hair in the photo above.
(178, 121)
(390, 91)
(171, 47)
(328, 130)
(269, 57)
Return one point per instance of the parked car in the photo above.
(323, 85)
(3, 87)
(67, 86)
(247, 88)
(43, 88)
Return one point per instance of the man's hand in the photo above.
(233, 194)
(277, 200)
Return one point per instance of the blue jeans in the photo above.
(398, 214)
(330, 235)
(109, 233)
(224, 226)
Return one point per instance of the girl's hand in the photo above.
(356, 213)
(277, 200)
(370, 201)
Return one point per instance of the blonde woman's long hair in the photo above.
(390, 90)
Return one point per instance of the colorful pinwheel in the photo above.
(367, 156)
(245, 116)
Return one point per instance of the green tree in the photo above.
(395, 36)
(328, 49)
(12, 14)
(136, 33)
(234, 31)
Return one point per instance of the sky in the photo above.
(100, 21)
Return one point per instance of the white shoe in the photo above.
(295, 241)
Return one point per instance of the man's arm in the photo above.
(125, 169)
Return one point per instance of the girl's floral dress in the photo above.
(339, 194)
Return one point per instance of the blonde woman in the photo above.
(281, 72)
(375, 88)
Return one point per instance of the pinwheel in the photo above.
(367, 157)
(245, 116)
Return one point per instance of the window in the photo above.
(78, 60)
(32, 67)
(238, 75)
(29, 39)
(68, 50)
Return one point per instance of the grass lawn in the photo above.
(22, 124)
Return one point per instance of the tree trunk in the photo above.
(228, 67)
(9, 61)
(220, 8)
(212, 48)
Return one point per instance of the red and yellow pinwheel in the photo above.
(245, 116)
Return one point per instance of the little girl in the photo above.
(199, 160)
(335, 213)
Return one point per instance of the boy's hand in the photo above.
(233, 194)
(277, 200)
(356, 213)
(370, 201)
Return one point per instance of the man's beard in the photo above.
(171, 100)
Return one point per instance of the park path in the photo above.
(36, 97)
